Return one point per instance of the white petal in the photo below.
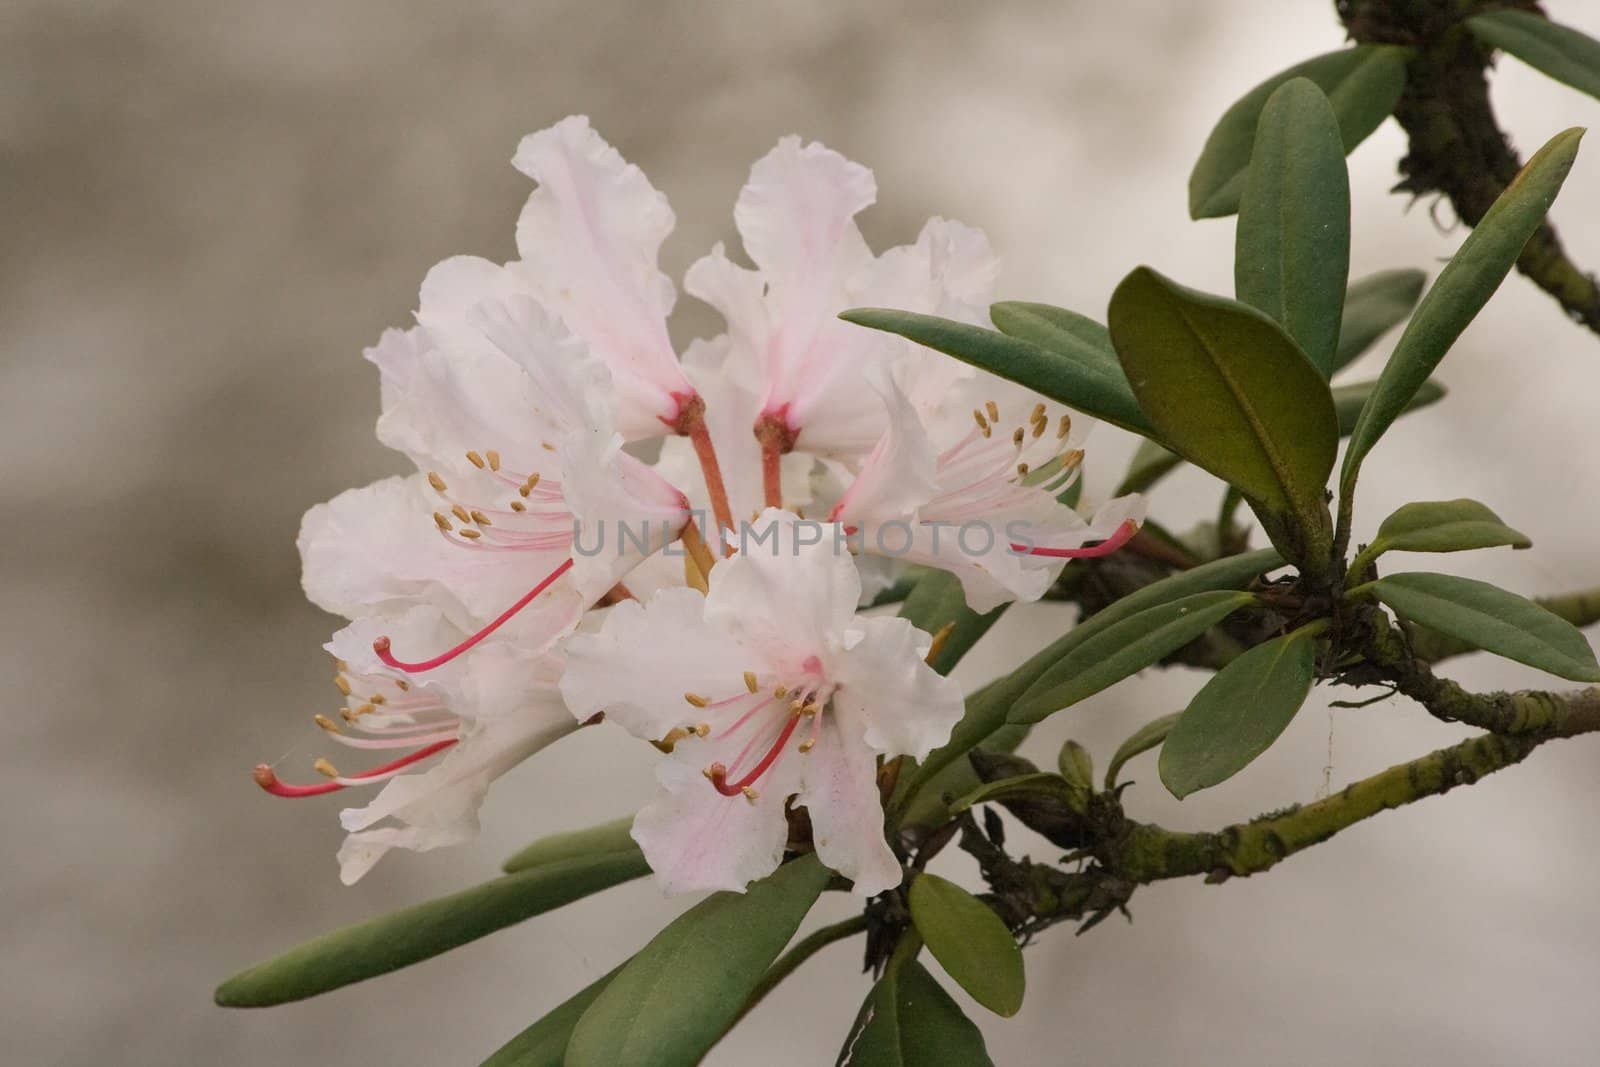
(897, 477)
(905, 707)
(624, 511)
(840, 793)
(589, 237)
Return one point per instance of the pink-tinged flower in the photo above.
(482, 715)
(968, 481)
(768, 687)
(796, 220)
(503, 412)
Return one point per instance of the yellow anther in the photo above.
(751, 683)
(460, 512)
(480, 518)
(1016, 438)
(1040, 425)
(518, 506)
(471, 535)
(343, 683)
(701, 729)
(1065, 427)
(340, 665)
(750, 794)
(547, 446)
(347, 715)
(494, 459)
(710, 772)
(696, 699)
(1038, 413)
(940, 639)
(811, 709)
(440, 521)
(780, 692)
(808, 744)
(669, 742)
(365, 709)
(436, 481)
(326, 723)
(993, 409)
(323, 767)
(402, 685)
(983, 423)
(796, 707)
(379, 698)
(1022, 470)
(475, 459)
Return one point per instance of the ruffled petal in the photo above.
(840, 793)
(904, 706)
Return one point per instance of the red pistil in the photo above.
(719, 774)
(1124, 534)
(691, 422)
(268, 780)
(381, 645)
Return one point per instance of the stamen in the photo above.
(494, 459)
(751, 682)
(719, 774)
(750, 794)
(480, 518)
(983, 423)
(475, 459)
(381, 645)
(1022, 470)
(436, 481)
(471, 535)
(326, 723)
(518, 506)
(1065, 427)
(940, 639)
(696, 699)
(440, 521)
(342, 684)
(808, 744)
(993, 409)
(530, 485)
(1017, 437)
(267, 779)
(460, 512)
(326, 769)
(1123, 535)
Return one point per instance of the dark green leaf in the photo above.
(1038, 783)
(1076, 375)
(1461, 290)
(969, 941)
(672, 1001)
(1444, 526)
(1373, 306)
(957, 778)
(1559, 51)
(413, 934)
(1076, 766)
(1239, 713)
(908, 1020)
(1229, 391)
(1139, 742)
(1363, 84)
(1348, 400)
(1292, 245)
(1117, 651)
(1492, 619)
(608, 837)
(1151, 463)
(987, 708)
(1057, 329)
(938, 601)
(544, 1044)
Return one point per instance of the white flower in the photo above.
(969, 482)
(767, 687)
(485, 713)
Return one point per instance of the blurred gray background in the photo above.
(211, 208)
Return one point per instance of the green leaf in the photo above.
(608, 838)
(1076, 766)
(672, 1001)
(1488, 617)
(1151, 462)
(1117, 651)
(1229, 391)
(1139, 742)
(1348, 400)
(421, 931)
(1040, 782)
(1444, 526)
(1056, 329)
(1292, 244)
(1076, 375)
(908, 1020)
(1561, 52)
(1239, 713)
(969, 941)
(1373, 306)
(957, 778)
(1461, 290)
(987, 708)
(1363, 84)
(544, 1044)
(938, 600)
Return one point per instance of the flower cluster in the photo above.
(537, 573)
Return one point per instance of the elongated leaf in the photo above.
(969, 941)
(672, 1001)
(1124, 648)
(1002, 788)
(987, 709)
(1363, 84)
(1292, 244)
(1373, 306)
(1461, 290)
(1055, 328)
(413, 934)
(1492, 619)
(1559, 51)
(1238, 713)
(607, 838)
(1348, 400)
(958, 778)
(908, 1020)
(1444, 526)
(938, 601)
(1139, 742)
(1151, 463)
(544, 1044)
(1076, 376)
(1229, 391)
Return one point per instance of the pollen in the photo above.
(1022, 470)
(379, 698)
(993, 409)
(436, 481)
(808, 744)
(750, 794)
(1017, 437)
(983, 423)
(460, 512)
(702, 729)
(440, 521)
(471, 535)
(343, 684)
(1064, 428)
(493, 458)
(480, 518)
(518, 506)
(475, 459)
(780, 692)
(696, 699)
(326, 723)
(669, 742)
(751, 682)
(402, 685)
(324, 768)
(1037, 413)
(529, 485)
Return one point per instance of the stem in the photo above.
(772, 475)
(706, 453)
(803, 950)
